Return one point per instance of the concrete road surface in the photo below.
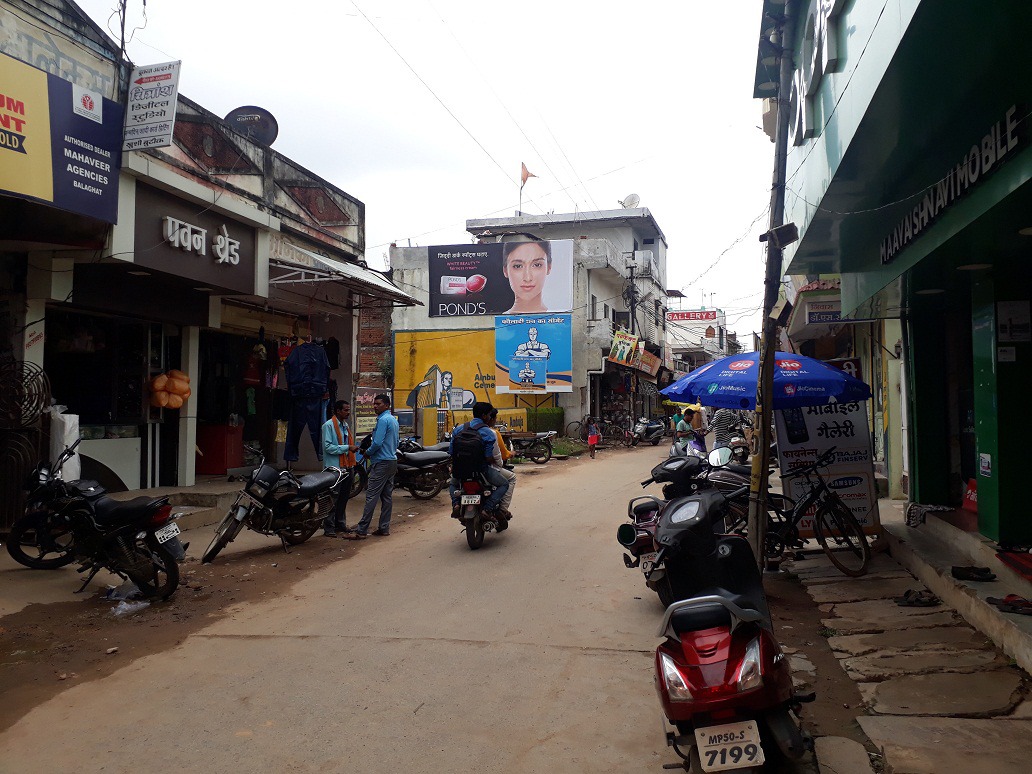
(532, 654)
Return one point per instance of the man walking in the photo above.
(382, 452)
(339, 452)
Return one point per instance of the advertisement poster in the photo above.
(151, 116)
(501, 278)
(444, 369)
(534, 354)
(59, 142)
(365, 416)
(804, 434)
(623, 349)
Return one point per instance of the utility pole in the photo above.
(772, 284)
(634, 294)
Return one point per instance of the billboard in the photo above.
(59, 142)
(623, 349)
(501, 278)
(152, 106)
(534, 353)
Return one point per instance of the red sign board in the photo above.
(709, 314)
(851, 365)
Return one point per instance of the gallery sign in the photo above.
(693, 316)
(59, 142)
(532, 277)
(534, 353)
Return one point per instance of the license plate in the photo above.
(167, 532)
(471, 499)
(648, 561)
(731, 746)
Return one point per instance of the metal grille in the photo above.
(324, 505)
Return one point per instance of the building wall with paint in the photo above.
(429, 363)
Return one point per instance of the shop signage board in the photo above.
(804, 434)
(646, 361)
(534, 354)
(500, 278)
(190, 241)
(696, 315)
(151, 115)
(59, 142)
(623, 348)
(365, 415)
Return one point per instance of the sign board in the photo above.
(646, 361)
(59, 142)
(623, 348)
(500, 278)
(804, 434)
(534, 354)
(693, 316)
(455, 398)
(365, 415)
(849, 365)
(151, 114)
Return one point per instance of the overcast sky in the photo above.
(424, 110)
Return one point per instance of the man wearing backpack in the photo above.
(472, 449)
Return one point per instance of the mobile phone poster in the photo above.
(804, 434)
(500, 278)
(534, 353)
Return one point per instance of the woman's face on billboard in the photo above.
(526, 268)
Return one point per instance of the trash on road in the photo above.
(128, 608)
(127, 590)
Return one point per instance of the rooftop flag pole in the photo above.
(525, 174)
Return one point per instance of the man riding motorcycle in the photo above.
(460, 448)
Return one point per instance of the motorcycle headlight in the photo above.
(688, 513)
(750, 673)
(674, 681)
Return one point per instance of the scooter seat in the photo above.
(111, 512)
(314, 483)
(423, 459)
(710, 616)
(438, 447)
(745, 470)
(645, 508)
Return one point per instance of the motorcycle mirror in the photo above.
(719, 457)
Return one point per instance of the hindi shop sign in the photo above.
(151, 117)
(178, 237)
(804, 434)
(59, 142)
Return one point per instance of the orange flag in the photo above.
(525, 174)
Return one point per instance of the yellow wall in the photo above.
(421, 359)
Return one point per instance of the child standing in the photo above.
(593, 435)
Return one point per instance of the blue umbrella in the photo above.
(798, 381)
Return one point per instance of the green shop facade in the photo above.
(909, 174)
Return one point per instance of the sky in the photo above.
(425, 109)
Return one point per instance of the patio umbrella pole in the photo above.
(771, 285)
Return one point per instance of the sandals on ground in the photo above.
(983, 574)
(915, 598)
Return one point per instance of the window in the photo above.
(649, 241)
(594, 308)
(605, 311)
(710, 333)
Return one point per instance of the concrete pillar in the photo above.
(189, 357)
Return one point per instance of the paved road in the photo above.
(417, 654)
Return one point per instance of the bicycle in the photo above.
(835, 528)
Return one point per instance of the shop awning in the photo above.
(306, 267)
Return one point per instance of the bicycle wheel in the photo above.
(576, 430)
(842, 538)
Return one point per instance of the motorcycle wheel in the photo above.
(359, 479)
(163, 579)
(475, 531)
(224, 534)
(539, 452)
(427, 487)
(25, 546)
(655, 441)
(297, 534)
(666, 595)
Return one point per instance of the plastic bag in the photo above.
(127, 590)
(64, 431)
(128, 608)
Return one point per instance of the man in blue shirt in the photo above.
(382, 453)
(481, 411)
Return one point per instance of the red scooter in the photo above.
(722, 679)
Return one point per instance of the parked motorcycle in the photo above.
(412, 444)
(651, 430)
(70, 521)
(423, 473)
(474, 491)
(537, 447)
(276, 502)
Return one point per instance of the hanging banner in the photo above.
(501, 278)
(623, 349)
(59, 142)
(805, 433)
(151, 116)
(534, 354)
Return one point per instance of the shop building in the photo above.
(908, 176)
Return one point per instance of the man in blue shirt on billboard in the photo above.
(382, 451)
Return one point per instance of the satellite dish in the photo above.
(254, 122)
(630, 201)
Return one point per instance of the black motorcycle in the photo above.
(69, 521)
(276, 502)
(424, 473)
